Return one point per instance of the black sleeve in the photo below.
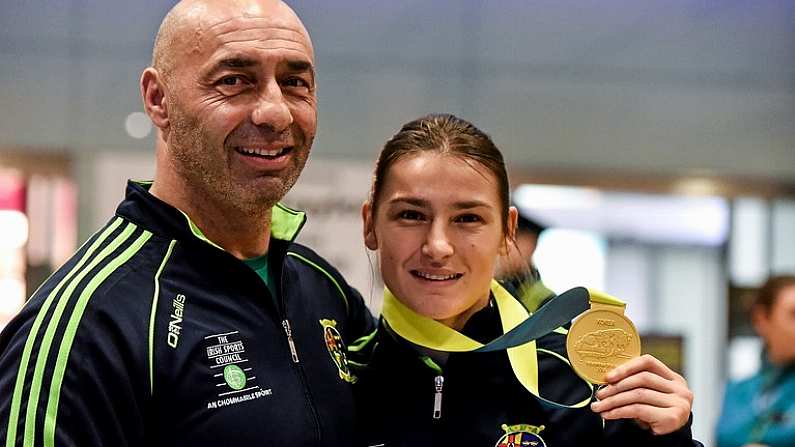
(66, 386)
(361, 322)
(627, 432)
(72, 361)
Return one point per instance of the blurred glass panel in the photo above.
(745, 357)
(630, 276)
(571, 258)
(748, 246)
(783, 237)
(655, 218)
(13, 236)
(13, 230)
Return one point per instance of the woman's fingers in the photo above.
(646, 390)
(637, 396)
(643, 379)
(659, 420)
(645, 362)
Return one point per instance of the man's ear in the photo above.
(510, 235)
(153, 94)
(368, 229)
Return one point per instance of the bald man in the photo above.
(192, 318)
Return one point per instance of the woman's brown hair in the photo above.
(444, 134)
(766, 296)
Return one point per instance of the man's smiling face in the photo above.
(241, 102)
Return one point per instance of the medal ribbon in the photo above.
(520, 330)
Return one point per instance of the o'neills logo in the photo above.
(175, 324)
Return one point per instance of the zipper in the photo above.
(280, 308)
(289, 332)
(438, 382)
(294, 353)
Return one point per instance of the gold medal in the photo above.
(601, 339)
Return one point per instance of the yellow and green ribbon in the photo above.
(520, 330)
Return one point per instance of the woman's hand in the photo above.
(646, 390)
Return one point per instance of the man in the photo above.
(517, 270)
(192, 318)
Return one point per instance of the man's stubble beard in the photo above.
(211, 177)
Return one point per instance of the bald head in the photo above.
(232, 92)
(186, 24)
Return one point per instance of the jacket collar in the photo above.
(146, 210)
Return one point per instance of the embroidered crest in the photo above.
(521, 435)
(336, 348)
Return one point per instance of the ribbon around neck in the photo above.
(520, 330)
(525, 327)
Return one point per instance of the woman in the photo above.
(761, 410)
(439, 216)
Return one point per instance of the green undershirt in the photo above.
(260, 265)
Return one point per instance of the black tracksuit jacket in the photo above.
(151, 335)
(481, 399)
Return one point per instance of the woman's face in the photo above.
(777, 327)
(438, 228)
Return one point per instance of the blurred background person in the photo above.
(517, 271)
(760, 410)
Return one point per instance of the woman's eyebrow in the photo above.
(416, 201)
(419, 202)
(471, 204)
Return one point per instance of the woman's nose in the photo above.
(437, 244)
